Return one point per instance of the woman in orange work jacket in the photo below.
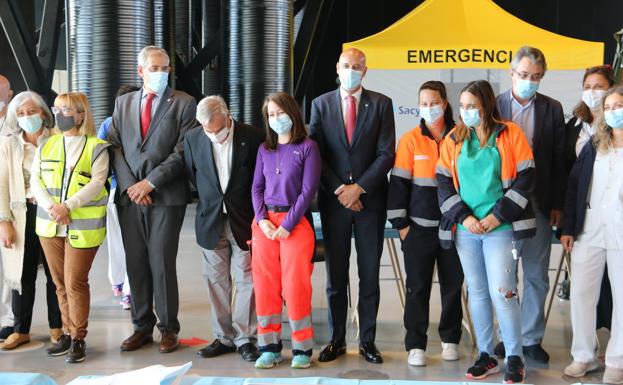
(485, 174)
(412, 211)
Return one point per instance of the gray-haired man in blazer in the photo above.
(147, 134)
(542, 121)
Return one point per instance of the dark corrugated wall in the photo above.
(257, 54)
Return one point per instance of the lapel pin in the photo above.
(366, 104)
(168, 100)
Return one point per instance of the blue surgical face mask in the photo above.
(431, 114)
(525, 89)
(30, 123)
(281, 124)
(614, 118)
(157, 81)
(350, 79)
(471, 118)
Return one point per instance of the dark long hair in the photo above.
(435, 85)
(482, 90)
(582, 111)
(289, 106)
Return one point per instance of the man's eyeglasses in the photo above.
(529, 76)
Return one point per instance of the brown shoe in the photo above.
(15, 340)
(169, 342)
(55, 334)
(136, 341)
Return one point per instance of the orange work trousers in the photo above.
(282, 270)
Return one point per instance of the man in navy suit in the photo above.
(354, 128)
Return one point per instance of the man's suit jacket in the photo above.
(159, 157)
(201, 169)
(371, 155)
(548, 146)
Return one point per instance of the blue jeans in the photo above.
(491, 276)
(535, 254)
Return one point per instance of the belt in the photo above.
(278, 209)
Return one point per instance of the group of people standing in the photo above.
(470, 197)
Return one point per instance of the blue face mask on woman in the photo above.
(471, 118)
(281, 124)
(614, 118)
(31, 123)
(431, 114)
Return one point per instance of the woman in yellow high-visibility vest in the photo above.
(69, 182)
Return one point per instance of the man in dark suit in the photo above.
(541, 118)
(147, 134)
(220, 161)
(354, 128)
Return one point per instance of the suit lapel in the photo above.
(362, 112)
(163, 107)
(339, 118)
(135, 116)
(208, 158)
(539, 113)
(505, 106)
(239, 153)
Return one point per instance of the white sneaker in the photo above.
(613, 375)
(579, 369)
(417, 357)
(449, 351)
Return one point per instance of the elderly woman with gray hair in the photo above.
(28, 119)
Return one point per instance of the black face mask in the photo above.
(64, 123)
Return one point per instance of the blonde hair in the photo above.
(602, 139)
(79, 102)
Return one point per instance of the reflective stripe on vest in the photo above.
(87, 228)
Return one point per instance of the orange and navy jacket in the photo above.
(412, 196)
(517, 171)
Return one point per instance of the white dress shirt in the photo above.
(585, 134)
(99, 173)
(222, 153)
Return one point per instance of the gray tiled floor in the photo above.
(109, 325)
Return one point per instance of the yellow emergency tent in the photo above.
(469, 34)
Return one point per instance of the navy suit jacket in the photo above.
(548, 147)
(202, 172)
(367, 160)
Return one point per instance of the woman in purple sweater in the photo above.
(287, 175)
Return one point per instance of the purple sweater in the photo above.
(294, 185)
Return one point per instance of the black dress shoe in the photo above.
(332, 351)
(536, 353)
(215, 349)
(369, 351)
(499, 350)
(249, 352)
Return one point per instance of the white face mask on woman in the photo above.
(593, 98)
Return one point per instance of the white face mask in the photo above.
(593, 98)
(219, 137)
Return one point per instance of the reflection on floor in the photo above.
(109, 325)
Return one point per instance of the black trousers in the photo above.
(22, 304)
(150, 237)
(338, 225)
(421, 250)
